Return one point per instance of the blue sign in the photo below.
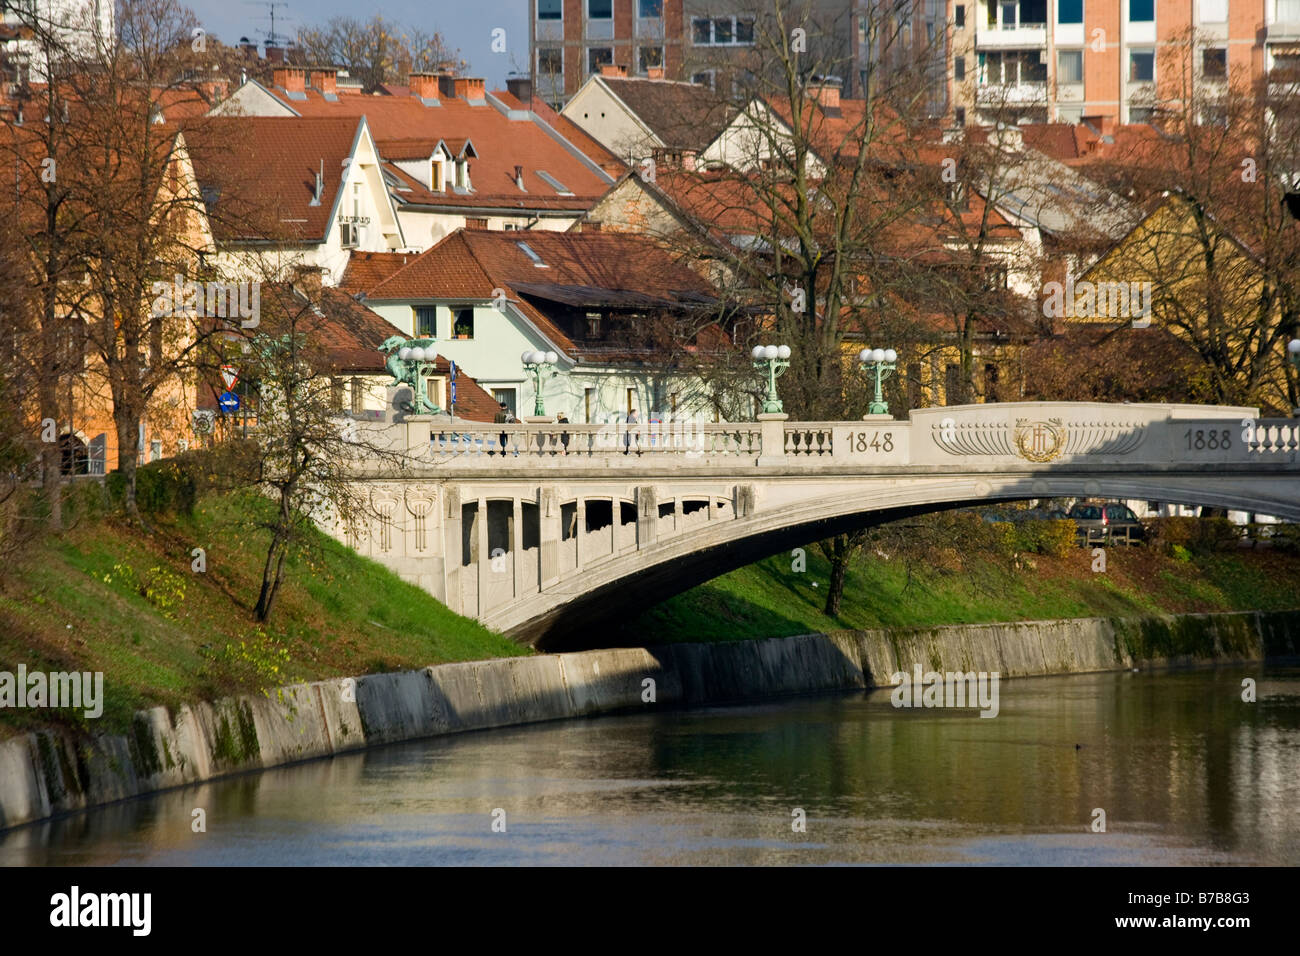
(451, 400)
(229, 402)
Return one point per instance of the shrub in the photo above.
(1054, 537)
(1198, 535)
(171, 485)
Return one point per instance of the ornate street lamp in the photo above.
(417, 358)
(537, 363)
(882, 362)
(776, 359)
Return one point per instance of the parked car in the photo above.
(1102, 523)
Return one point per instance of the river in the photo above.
(1185, 770)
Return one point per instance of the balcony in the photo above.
(1027, 93)
(1011, 36)
(1285, 31)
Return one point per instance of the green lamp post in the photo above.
(775, 359)
(882, 362)
(537, 363)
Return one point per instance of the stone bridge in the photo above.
(550, 533)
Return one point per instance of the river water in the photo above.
(1186, 772)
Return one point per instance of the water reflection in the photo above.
(1184, 769)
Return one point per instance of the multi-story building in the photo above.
(1064, 60)
(705, 41)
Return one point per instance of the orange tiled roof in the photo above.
(500, 142)
(260, 173)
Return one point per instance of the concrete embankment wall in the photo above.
(50, 772)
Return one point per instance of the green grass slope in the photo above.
(768, 599)
(108, 596)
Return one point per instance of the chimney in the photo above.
(521, 88)
(472, 90)
(519, 178)
(425, 87)
(291, 79)
(248, 47)
(826, 91)
(655, 72)
(214, 90)
(274, 54)
(612, 69)
(308, 281)
(319, 191)
(326, 80)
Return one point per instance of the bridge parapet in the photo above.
(1017, 436)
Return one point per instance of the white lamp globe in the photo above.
(526, 357)
(770, 352)
(783, 352)
(877, 355)
(417, 354)
(1293, 346)
(864, 355)
(758, 352)
(404, 352)
(891, 355)
(551, 358)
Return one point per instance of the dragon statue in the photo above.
(411, 371)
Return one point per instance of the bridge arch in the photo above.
(565, 617)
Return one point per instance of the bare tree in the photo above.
(376, 51)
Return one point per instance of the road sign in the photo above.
(229, 375)
(229, 402)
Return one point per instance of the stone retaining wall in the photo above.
(50, 772)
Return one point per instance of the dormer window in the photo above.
(462, 174)
(436, 183)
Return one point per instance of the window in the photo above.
(506, 395)
(600, 9)
(426, 322)
(722, 31)
(631, 400)
(704, 79)
(463, 323)
(959, 68)
(1069, 66)
(649, 57)
(598, 56)
(593, 325)
(1008, 8)
(647, 9)
(1141, 66)
(1214, 11)
(960, 16)
(472, 222)
(1214, 63)
(1288, 11)
(1141, 114)
(550, 60)
(588, 401)
(550, 9)
(1069, 11)
(356, 395)
(528, 250)
(1141, 11)
(959, 114)
(155, 450)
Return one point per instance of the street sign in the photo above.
(229, 402)
(229, 375)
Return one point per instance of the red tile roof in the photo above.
(261, 171)
(500, 142)
(570, 130)
(365, 270)
(613, 268)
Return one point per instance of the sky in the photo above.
(467, 24)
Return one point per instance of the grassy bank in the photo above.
(108, 596)
(769, 599)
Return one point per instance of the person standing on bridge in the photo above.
(632, 421)
(563, 419)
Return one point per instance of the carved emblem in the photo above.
(1039, 441)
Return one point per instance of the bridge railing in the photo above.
(1022, 435)
(546, 441)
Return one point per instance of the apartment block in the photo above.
(1063, 60)
(711, 42)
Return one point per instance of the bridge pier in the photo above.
(550, 534)
(647, 516)
(483, 559)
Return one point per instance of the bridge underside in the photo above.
(586, 609)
